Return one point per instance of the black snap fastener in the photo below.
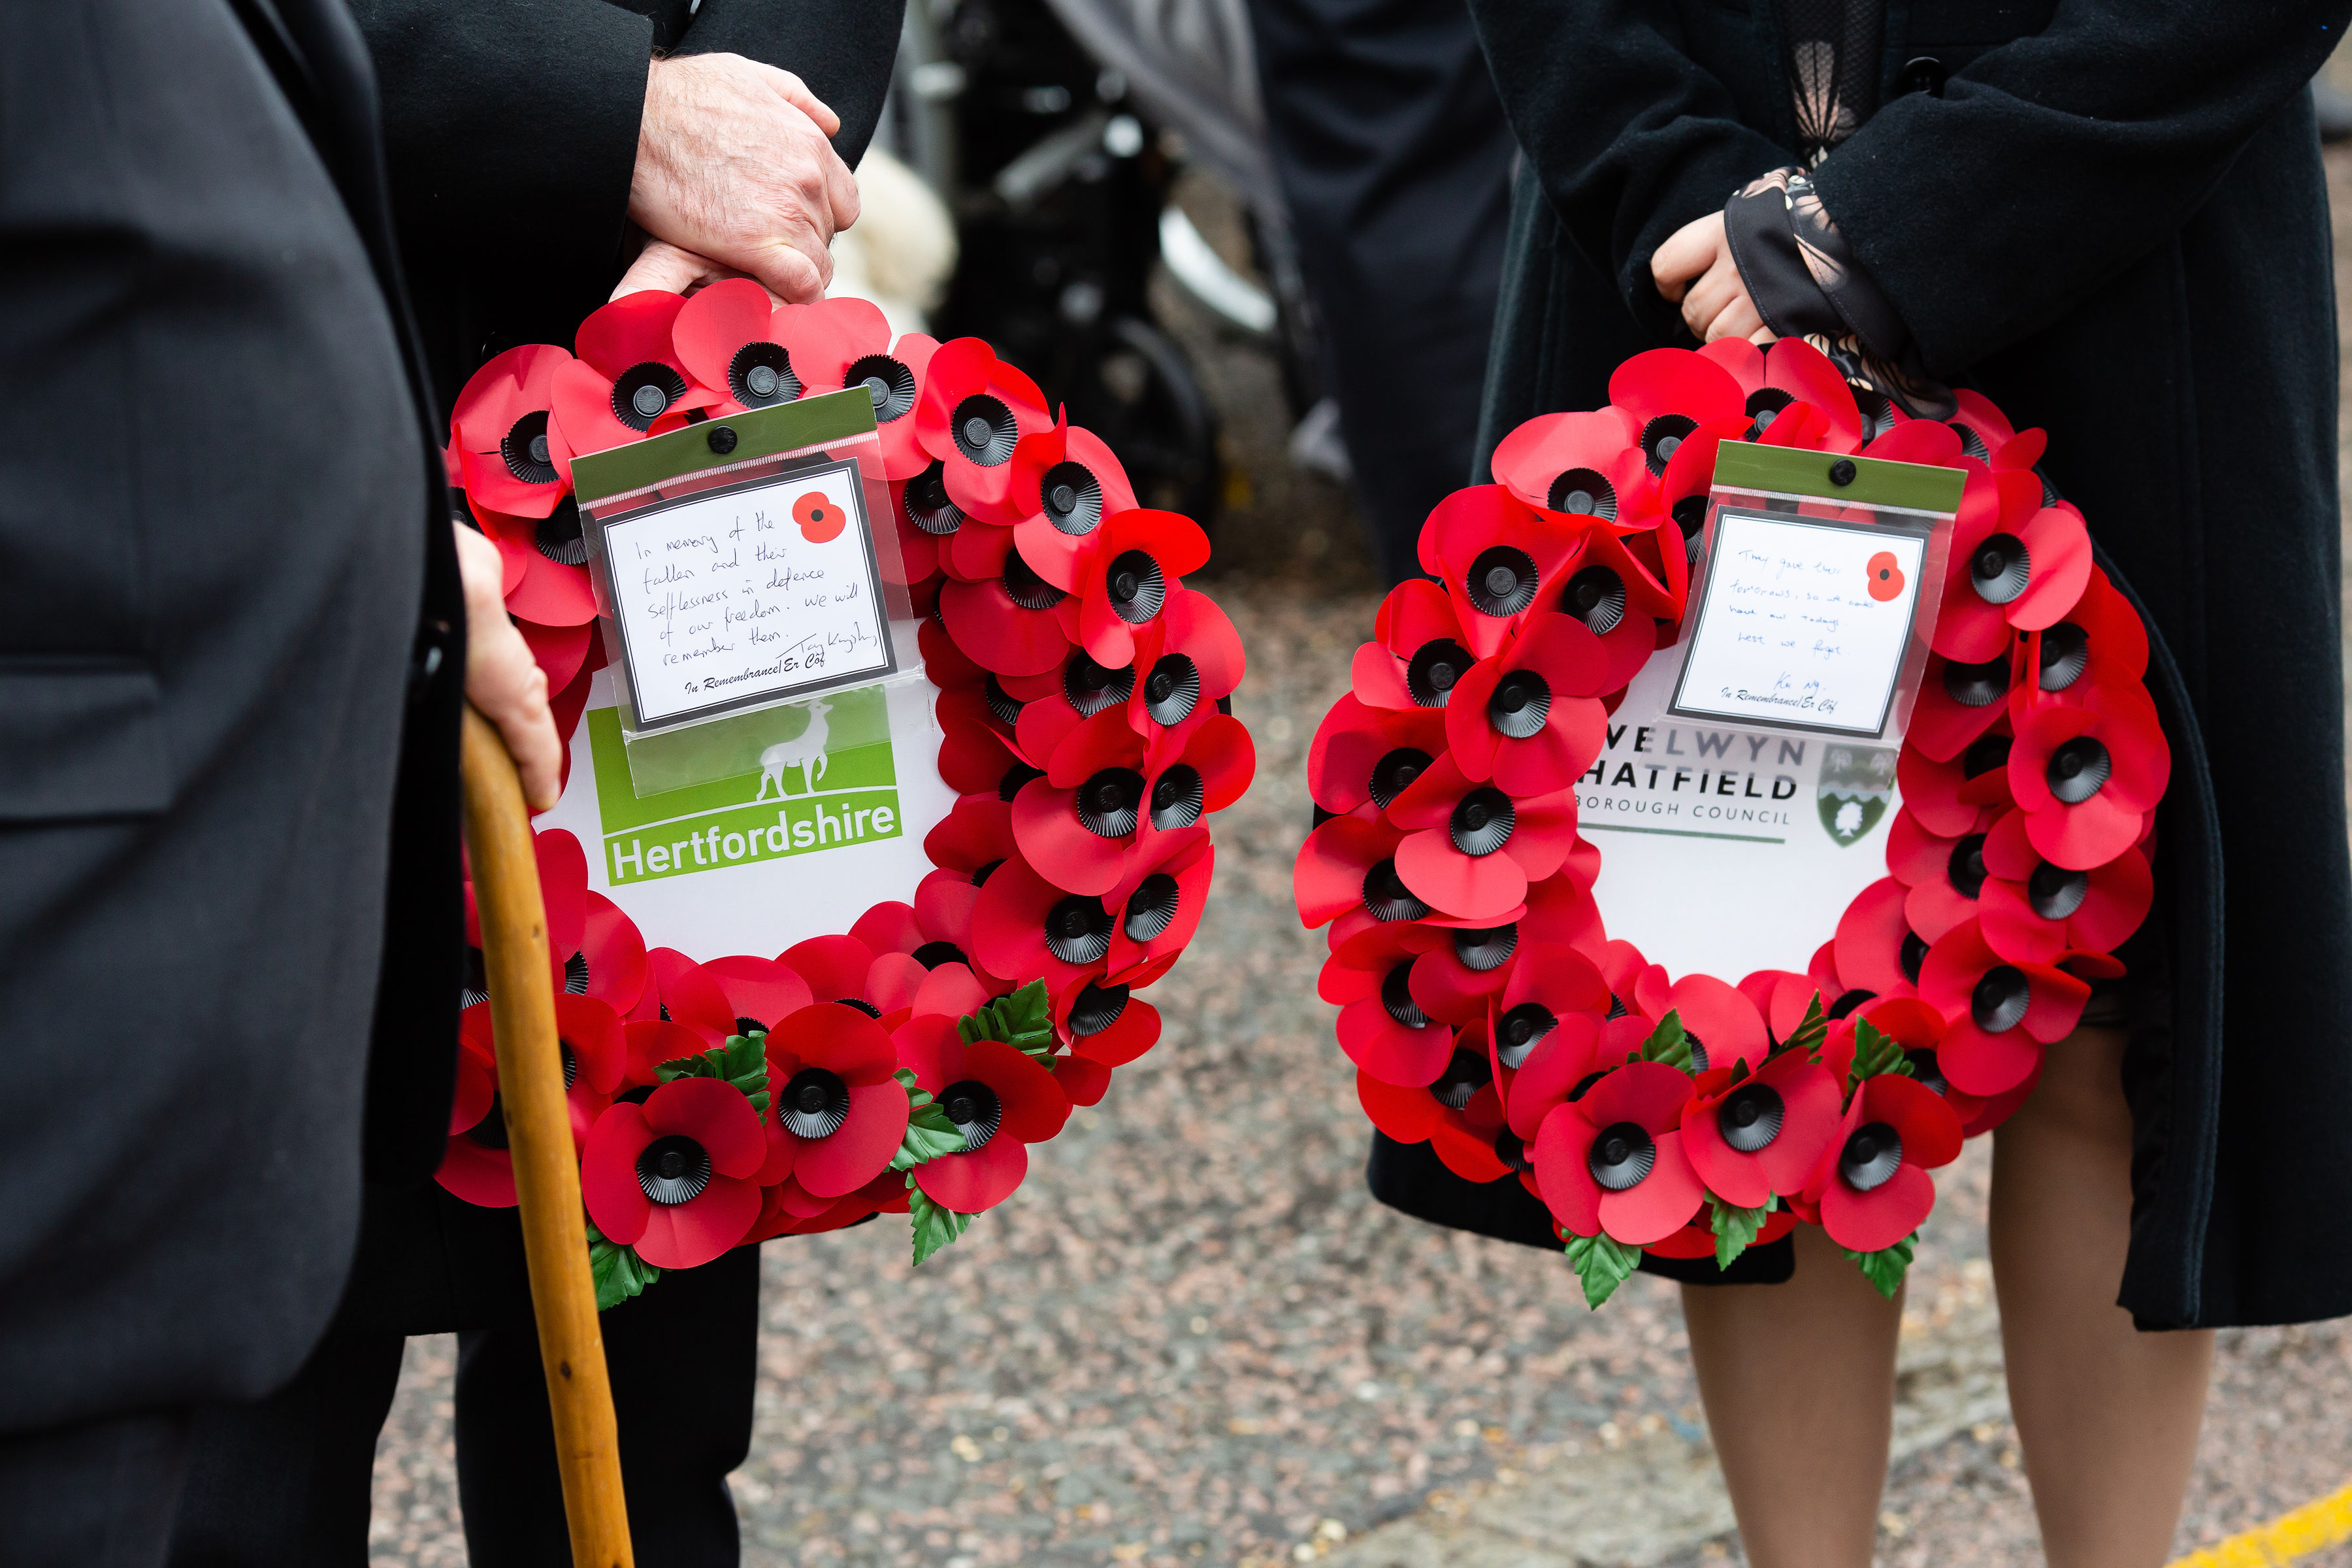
(722, 439)
(1923, 74)
(1841, 471)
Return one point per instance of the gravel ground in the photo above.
(1192, 1338)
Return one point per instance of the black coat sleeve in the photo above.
(843, 51)
(511, 129)
(1629, 137)
(2054, 162)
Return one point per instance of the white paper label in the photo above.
(747, 596)
(1803, 623)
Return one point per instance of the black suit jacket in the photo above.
(230, 640)
(2111, 216)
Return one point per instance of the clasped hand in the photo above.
(1694, 269)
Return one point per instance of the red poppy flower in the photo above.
(1668, 393)
(1781, 998)
(843, 969)
(1624, 599)
(836, 1112)
(1561, 907)
(1723, 1025)
(1458, 1114)
(972, 413)
(1956, 797)
(1015, 623)
(509, 459)
(2016, 565)
(845, 343)
(1920, 1029)
(1983, 429)
(475, 1164)
(1138, 558)
(1547, 984)
(561, 651)
(1584, 464)
(1944, 876)
(1566, 1062)
(1349, 862)
(1527, 717)
(1382, 1028)
(1470, 849)
(1876, 949)
(1189, 659)
(680, 991)
(1873, 1189)
(737, 341)
(1022, 924)
(1613, 1161)
(1998, 1014)
(545, 557)
(2088, 777)
(1910, 440)
(1062, 483)
(923, 531)
(1764, 1134)
(976, 756)
(1791, 371)
(2102, 642)
(1957, 702)
(1105, 1027)
(973, 838)
(999, 1098)
(2034, 912)
(1421, 653)
(760, 992)
(1161, 901)
(789, 1209)
(1104, 800)
(1495, 556)
(673, 1177)
(1046, 707)
(593, 949)
(628, 382)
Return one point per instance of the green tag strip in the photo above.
(759, 433)
(1875, 481)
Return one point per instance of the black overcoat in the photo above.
(231, 640)
(2110, 216)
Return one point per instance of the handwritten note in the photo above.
(1804, 623)
(743, 596)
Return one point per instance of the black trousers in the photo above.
(286, 1480)
(1395, 161)
(95, 1495)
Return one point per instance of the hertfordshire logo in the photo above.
(1857, 784)
(804, 750)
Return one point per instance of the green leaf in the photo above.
(1886, 1267)
(934, 1226)
(1874, 1055)
(1602, 1264)
(929, 1135)
(1668, 1043)
(618, 1271)
(1809, 1035)
(742, 1061)
(1735, 1227)
(1023, 1019)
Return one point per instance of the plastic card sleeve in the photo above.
(741, 565)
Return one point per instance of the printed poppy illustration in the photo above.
(835, 1114)
(510, 457)
(1885, 577)
(820, 518)
(842, 343)
(1613, 1161)
(997, 1098)
(1998, 1014)
(673, 1177)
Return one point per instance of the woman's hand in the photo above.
(502, 679)
(1694, 266)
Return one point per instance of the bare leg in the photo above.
(1798, 1383)
(2107, 1417)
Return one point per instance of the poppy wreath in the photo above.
(1481, 1001)
(905, 1066)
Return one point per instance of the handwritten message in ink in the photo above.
(747, 594)
(1804, 623)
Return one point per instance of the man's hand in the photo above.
(735, 176)
(502, 679)
(1694, 266)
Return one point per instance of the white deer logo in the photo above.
(804, 750)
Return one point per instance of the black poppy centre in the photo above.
(673, 1170)
(1620, 1156)
(1750, 1117)
(1482, 821)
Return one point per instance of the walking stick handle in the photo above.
(539, 1136)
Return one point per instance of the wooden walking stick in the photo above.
(539, 1136)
